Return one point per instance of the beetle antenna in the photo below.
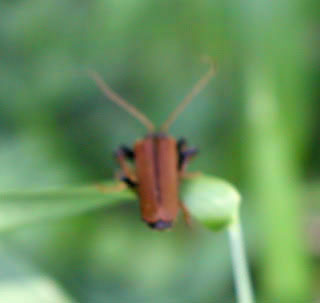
(114, 97)
(197, 88)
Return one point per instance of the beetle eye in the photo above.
(160, 225)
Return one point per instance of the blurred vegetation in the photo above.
(256, 125)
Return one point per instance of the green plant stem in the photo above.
(242, 280)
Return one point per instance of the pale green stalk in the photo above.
(240, 266)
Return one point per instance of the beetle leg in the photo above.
(186, 213)
(127, 152)
(132, 184)
(105, 189)
(127, 176)
(181, 144)
(185, 154)
(119, 176)
(184, 158)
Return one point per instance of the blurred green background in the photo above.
(256, 124)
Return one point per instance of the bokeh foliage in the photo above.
(256, 125)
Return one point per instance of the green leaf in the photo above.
(24, 207)
(21, 282)
(214, 202)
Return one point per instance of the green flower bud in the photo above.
(212, 201)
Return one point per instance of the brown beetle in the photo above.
(160, 161)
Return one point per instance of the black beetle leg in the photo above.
(128, 176)
(125, 151)
(185, 157)
(181, 144)
(132, 184)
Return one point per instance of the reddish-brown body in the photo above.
(156, 160)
